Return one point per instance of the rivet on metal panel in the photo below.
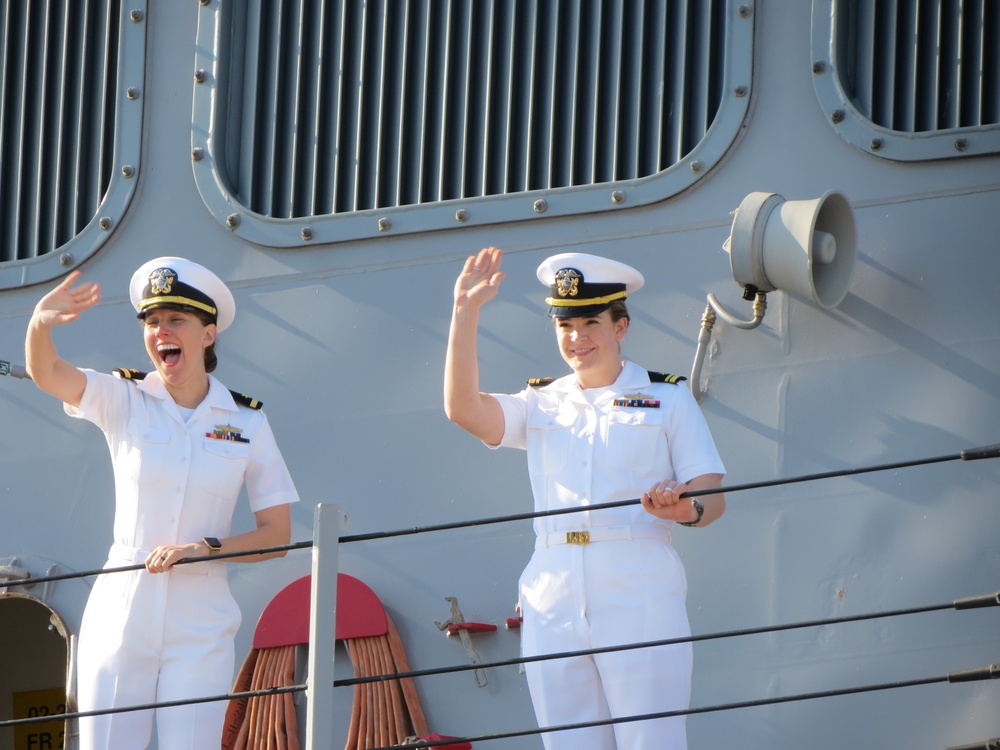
(461, 216)
(745, 11)
(696, 166)
(200, 76)
(66, 259)
(837, 116)
(136, 15)
(541, 206)
(961, 144)
(197, 153)
(876, 144)
(819, 67)
(132, 92)
(307, 233)
(740, 91)
(127, 170)
(233, 221)
(384, 224)
(105, 222)
(618, 196)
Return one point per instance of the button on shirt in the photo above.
(177, 481)
(585, 450)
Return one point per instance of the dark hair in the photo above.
(618, 311)
(211, 360)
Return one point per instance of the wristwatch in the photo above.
(215, 546)
(699, 509)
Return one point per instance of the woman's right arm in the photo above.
(50, 372)
(464, 404)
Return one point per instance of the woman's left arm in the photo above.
(274, 529)
(664, 500)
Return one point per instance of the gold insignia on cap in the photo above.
(568, 282)
(161, 281)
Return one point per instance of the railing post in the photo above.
(322, 627)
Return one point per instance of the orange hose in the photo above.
(384, 713)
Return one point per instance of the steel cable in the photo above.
(989, 672)
(986, 600)
(974, 602)
(989, 451)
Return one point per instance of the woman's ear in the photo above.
(211, 334)
(621, 327)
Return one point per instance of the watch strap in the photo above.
(699, 509)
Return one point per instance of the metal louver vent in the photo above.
(911, 79)
(60, 124)
(322, 107)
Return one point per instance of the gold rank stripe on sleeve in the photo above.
(242, 398)
(665, 377)
(539, 382)
(128, 373)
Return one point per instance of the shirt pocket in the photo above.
(549, 436)
(634, 439)
(150, 460)
(225, 464)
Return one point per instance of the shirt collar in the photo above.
(631, 377)
(218, 396)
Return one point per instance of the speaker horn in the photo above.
(806, 247)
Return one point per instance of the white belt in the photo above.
(603, 534)
(121, 553)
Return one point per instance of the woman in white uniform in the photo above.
(609, 431)
(182, 446)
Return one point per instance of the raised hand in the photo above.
(480, 279)
(65, 303)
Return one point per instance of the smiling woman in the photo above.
(182, 448)
(608, 431)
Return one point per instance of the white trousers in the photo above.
(578, 597)
(154, 638)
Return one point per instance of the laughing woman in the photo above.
(182, 447)
(609, 431)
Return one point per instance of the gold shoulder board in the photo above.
(539, 382)
(665, 377)
(242, 398)
(129, 373)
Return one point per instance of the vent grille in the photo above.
(334, 107)
(917, 66)
(58, 110)
(910, 80)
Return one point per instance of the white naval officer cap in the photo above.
(582, 285)
(181, 284)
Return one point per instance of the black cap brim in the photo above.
(580, 311)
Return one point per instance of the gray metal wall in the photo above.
(344, 342)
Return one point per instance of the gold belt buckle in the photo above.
(577, 537)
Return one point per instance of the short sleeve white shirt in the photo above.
(606, 445)
(177, 481)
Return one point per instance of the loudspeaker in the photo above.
(806, 247)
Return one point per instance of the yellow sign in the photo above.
(43, 735)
